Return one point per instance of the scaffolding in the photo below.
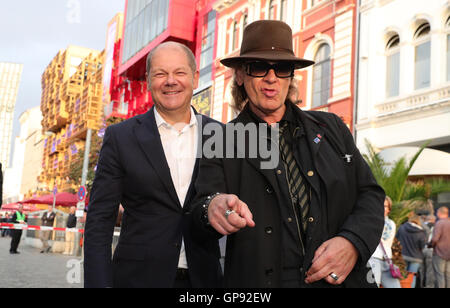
(71, 103)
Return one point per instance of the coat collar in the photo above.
(314, 129)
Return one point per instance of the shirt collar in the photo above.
(161, 122)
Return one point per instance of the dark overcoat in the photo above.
(349, 204)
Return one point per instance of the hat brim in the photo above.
(234, 62)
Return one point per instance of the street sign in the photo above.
(81, 194)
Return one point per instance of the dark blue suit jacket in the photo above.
(133, 171)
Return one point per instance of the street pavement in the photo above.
(31, 269)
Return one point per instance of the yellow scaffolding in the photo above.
(71, 103)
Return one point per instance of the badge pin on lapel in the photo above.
(318, 139)
(348, 158)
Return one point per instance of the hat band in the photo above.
(270, 49)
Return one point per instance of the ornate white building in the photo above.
(404, 73)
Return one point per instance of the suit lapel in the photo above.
(150, 142)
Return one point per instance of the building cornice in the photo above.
(221, 5)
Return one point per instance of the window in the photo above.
(235, 36)
(393, 67)
(422, 57)
(321, 76)
(283, 11)
(207, 51)
(145, 20)
(272, 10)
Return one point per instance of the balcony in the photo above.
(421, 100)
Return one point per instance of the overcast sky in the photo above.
(32, 33)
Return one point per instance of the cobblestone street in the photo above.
(31, 269)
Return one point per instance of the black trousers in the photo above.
(16, 235)
(182, 280)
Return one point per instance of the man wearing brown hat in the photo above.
(317, 216)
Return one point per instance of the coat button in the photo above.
(279, 172)
(269, 230)
(269, 190)
(311, 219)
(269, 271)
(310, 173)
(289, 219)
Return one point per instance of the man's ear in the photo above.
(147, 79)
(239, 76)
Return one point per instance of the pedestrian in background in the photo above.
(378, 261)
(47, 220)
(413, 239)
(441, 252)
(70, 236)
(5, 219)
(19, 217)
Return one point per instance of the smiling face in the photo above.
(267, 94)
(171, 79)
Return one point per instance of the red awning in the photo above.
(15, 207)
(62, 199)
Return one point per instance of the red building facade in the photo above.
(148, 24)
(323, 31)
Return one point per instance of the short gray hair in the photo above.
(189, 54)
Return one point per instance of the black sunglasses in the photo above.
(261, 69)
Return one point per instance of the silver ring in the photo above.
(334, 276)
(228, 213)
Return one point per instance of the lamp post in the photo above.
(81, 205)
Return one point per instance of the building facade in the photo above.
(113, 86)
(323, 31)
(21, 177)
(404, 74)
(34, 149)
(10, 75)
(148, 24)
(71, 103)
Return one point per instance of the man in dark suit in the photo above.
(148, 165)
(312, 219)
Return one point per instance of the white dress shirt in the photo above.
(180, 149)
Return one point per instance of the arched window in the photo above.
(393, 66)
(422, 62)
(235, 36)
(245, 21)
(272, 10)
(321, 76)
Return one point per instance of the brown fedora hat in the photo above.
(269, 40)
